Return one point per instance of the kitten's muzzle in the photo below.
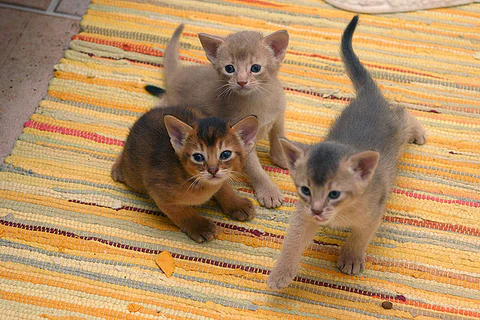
(213, 171)
(320, 215)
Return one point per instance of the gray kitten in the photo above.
(345, 180)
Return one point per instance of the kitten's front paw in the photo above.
(278, 159)
(351, 262)
(281, 277)
(202, 230)
(269, 196)
(117, 174)
(419, 137)
(244, 210)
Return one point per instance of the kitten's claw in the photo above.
(270, 197)
(351, 263)
(245, 211)
(281, 277)
(203, 230)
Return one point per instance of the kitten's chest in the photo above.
(196, 196)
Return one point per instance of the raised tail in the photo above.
(360, 77)
(170, 60)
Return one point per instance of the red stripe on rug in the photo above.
(436, 199)
(73, 132)
(435, 225)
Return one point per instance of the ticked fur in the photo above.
(344, 181)
(241, 80)
(181, 158)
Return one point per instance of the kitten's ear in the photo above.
(247, 129)
(364, 164)
(178, 131)
(210, 44)
(291, 152)
(278, 41)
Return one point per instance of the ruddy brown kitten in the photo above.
(242, 80)
(345, 180)
(181, 159)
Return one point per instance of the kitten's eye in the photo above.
(334, 195)
(256, 68)
(305, 191)
(198, 157)
(229, 68)
(225, 155)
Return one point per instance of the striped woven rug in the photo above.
(76, 245)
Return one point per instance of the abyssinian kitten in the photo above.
(241, 80)
(345, 180)
(181, 158)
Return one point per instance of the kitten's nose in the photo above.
(241, 83)
(317, 212)
(213, 171)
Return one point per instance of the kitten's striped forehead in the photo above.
(244, 44)
(324, 160)
(210, 130)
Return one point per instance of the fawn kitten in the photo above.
(344, 181)
(241, 80)
(181, 159)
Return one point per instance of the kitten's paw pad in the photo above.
(278, 159)
(270, 197)
(280, 278)
(117, 174)
(203, 230)
(351, 263)
(245, 211)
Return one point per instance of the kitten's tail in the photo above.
(356, 71)
(170, 60)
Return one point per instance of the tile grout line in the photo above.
(52, 6)
(53, 14)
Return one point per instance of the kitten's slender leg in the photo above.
(277, 131)
(232, 204)
(267, 192)
(116, 171)
(189, 221)
(300, 233)
(353, 253)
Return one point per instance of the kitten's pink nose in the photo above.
(317, 212)
(241, 83)
(213, 171)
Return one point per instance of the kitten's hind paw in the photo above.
(269, 196)
(281, 277)
(351, 263)
(244, 210)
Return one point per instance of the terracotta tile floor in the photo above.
(34, 35)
